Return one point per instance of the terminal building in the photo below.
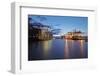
(75, 35)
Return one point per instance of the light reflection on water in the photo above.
(46, 47)
(57, 49)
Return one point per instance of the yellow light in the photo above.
(46, 47)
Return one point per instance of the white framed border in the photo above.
(18, 61)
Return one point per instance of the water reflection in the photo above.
(57, 49)
(81, 47)
(46, 47)
(66, 50)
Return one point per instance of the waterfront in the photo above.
(57, 37)
(57, 49)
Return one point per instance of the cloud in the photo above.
(57, 25)
(41, 18)
(56, 31)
